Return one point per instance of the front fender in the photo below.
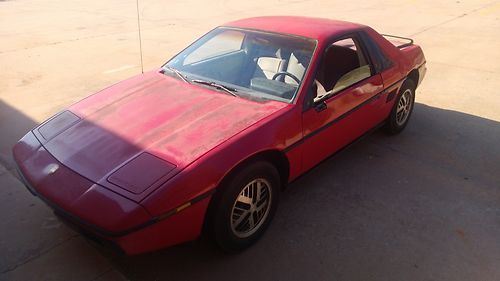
(204, 175)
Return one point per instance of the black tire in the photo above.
(394, 124)
(224, 227)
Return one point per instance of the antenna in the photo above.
(140, 38)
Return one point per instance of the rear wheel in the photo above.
(402, 109)
(245, 206)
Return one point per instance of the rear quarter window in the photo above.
(379, 59)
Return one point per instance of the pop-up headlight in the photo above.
(141, 172)
(57, 124)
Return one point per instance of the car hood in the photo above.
(154, 113)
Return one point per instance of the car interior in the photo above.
(280, 73)
(275, 65)
(266, 63)
(342, 66)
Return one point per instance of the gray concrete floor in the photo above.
(424, 205)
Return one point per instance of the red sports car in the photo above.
(208, 141)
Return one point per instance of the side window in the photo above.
(343, 65)
(379, 60)
(223, 43)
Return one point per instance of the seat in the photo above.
(351, 77)
(338, 61)
(339, 70)
(295, 67)
(267, 67)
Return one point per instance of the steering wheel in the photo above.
(280, 73)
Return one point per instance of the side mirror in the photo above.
(320, 106)
(312, 94)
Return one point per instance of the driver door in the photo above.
(346, 104)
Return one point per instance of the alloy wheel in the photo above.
(251, 208)
(404, 107)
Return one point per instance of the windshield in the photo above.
(252, 64)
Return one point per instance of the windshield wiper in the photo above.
(228, 90)
(178, 73)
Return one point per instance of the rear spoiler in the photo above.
(399, 42)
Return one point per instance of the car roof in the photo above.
(314, 28)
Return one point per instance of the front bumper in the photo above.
(100, 213)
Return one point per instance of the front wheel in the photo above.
(246, 206)
(402, 109)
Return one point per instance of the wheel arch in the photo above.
(414, 76)
(277, 158)
(274, 156)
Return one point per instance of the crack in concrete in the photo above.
(82, 38)
(14, 267)
(454, 18)
(108, 270)
(65, 41)
(463, 67)
(485, 181)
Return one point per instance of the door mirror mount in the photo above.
(320, 106)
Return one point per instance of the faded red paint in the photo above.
(169, 118)
(203, 133)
